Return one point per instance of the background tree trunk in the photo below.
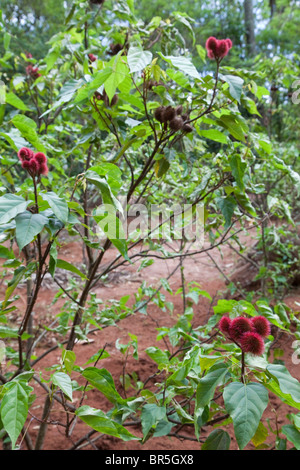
(249, 27)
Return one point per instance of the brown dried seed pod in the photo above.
(115, 48)
(97, 2)
(114, 100)
(176, 123)
(169, 113)
(179, 109)
(185, 116)
(98, 95)
(187, 128)
(158, 113)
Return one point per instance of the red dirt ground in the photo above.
(199, 269)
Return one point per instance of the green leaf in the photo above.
(234, 126)
(99, 78)
(62, 264)
(28, 225)
(157, 355)
(13, 283)
(106, 192)
(58, 205)
(138, 59)
(119, 73)
(184, 64)
(238, 170)
(98, 420)
(235, 85)
(292, 434)
(14, 409)
(207, 384)
(27, 127)
(68, 358)
(7, 332)
(151, 415)
(245, 403)
(227, 206)
(6, 253)
(215, 135)
(103, 381)
(16, 102)
(63, 381)
(10, 206)
(217, 440)
(288, 384)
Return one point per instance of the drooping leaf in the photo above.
(14, 409)
(99, 421)
(245, 403)
(63, 381)
(217, 440)
(10, 206)
(28, 225)
(138, 59)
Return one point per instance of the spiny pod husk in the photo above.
(115, 48)
(179, 109)
(159, 113)
(176, 123)
(169, 113)
(187, 128)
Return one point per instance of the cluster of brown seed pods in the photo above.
(173, 117)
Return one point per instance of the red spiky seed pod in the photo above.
(25, 154)
(92, 57)
(252, 343)
(238, 327)
(224, 324)
(261, 326)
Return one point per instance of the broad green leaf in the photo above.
(10, 206)
(288, 384)
(260, 436)
(88, 89)
(15, 139)
(138, 59)
(58, 205)
(15, 101)
(227, 206)
(151, 415)
(27, 127)
(238, 170)
(217, 440)
(157, 355)
(98, 420)
(68, 358)
(6, 253)
(62, 264)
(234, 126)
(106, 192)
(28, 225)
(207, 384)
(184, 64)
(14, 409)
(103, 381)
(235, 85)
(215, 135)
(63, 381)
(245, 403)
(7, 332)
(292, 433)
(119, 73)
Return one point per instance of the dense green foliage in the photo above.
(235, 153)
